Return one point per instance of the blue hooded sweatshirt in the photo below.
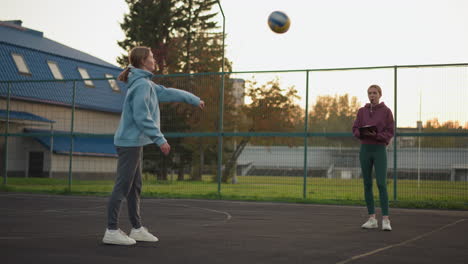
(140, 120)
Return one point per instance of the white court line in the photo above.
(461, 214)
(228, 216)
(399, 244)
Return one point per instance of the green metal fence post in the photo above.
(395, 143)
(72, 126)
(221, 113)
(306, 128)
(7, 130)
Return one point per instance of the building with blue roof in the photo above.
(39, 76)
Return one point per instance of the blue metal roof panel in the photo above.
(24, 37)
(101, 97)
(82, 146)
(18, 115)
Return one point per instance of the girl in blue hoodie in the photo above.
(139, 125)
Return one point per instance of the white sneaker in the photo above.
(386, 225)
(371, 223)
(142, 234)
(117, 237)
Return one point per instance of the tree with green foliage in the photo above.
(434, 126)
(181, 34)
(272, 109)
(332, 114)
(197, 31)
(149, 23)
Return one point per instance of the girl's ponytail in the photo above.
(123, 76)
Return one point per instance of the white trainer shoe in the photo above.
(142, 234)
(117, 237)
(371, 223)
(386, 225)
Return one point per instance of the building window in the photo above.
(84, 75)
(53, 66)
(20, 64)
(113, 83)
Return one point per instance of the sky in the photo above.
(323, 34)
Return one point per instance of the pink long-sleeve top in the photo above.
(375, 115)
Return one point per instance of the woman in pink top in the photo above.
(374, 127)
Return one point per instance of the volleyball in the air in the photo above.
(279, 22)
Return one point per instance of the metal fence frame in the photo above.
(220, 134)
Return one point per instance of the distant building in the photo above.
(333, 162)
(407, 142)
(238, 91)
(45, 107)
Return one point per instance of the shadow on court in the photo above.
(69, 229)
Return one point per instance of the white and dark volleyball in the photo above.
(279, 22)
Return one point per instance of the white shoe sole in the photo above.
(109, 242)
(143, 240)
(374, 227)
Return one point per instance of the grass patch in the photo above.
(428, 194)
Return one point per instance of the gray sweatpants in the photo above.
(127, 185)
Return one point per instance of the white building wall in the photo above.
(84, 164)
(86, 121)
(238, 91)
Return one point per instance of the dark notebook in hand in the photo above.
(364, 129)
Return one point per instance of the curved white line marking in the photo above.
(228, 216)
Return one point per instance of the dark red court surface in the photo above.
(69, 229)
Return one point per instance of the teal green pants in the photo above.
(374, 156)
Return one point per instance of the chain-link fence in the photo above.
(282, 135)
